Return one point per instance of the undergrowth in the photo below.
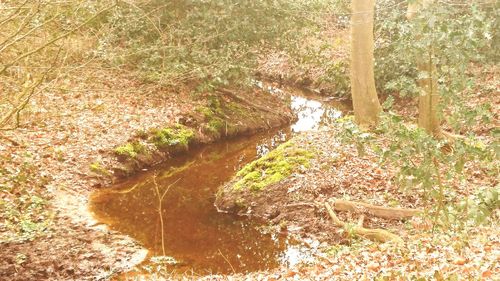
(24, 211)
(439, 171)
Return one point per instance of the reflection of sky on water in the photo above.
(311, 114)
(293, 255)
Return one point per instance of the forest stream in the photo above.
(192, 236)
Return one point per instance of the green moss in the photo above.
(215, 125)
(141, 133)
(215, 105)
(130, 149)
(273, 167)
(236, 108)
(207, 112)
(214, 115)
(213, 108)
(97, 168)
(240, 203)
(176, 136)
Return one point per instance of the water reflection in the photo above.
(194, 234)
(312, 114)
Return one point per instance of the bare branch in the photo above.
(50, 42)
(14, 14)
(25, 34)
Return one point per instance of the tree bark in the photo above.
(364, 95)
(428, 100)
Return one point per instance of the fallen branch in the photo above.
(378, 235)
(377, 211)
(242, 100)
(13, 142)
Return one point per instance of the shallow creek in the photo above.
(191, 236)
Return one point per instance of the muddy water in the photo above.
(190, 235)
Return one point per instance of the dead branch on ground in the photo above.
(378, 235)
(373, 210)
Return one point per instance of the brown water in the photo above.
(191, 233)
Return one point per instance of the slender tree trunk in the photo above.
(364, 95)
(428, 101)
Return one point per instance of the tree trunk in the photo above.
(428, 100)
(364, 95)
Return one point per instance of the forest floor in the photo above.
(70, 131)
(339, 171)
(296, 205)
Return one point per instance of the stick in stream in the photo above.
(160, 199)
(232, 268)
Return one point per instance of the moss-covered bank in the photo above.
(217, 115)
(272, 167)
(262, 175)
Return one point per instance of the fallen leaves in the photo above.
(460, 261)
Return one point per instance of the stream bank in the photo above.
(190, 235)
(65, 146)
(220, 115)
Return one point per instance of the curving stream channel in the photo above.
(195, 237)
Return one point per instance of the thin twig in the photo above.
(232, 268)
(160, 199)
(361, 220)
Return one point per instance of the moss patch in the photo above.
(213, 114)
(177, 136)
(273, 167)
(97, 168)
(215, 125)
(130, 149)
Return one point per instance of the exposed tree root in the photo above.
(377, 211)
(378, 235)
